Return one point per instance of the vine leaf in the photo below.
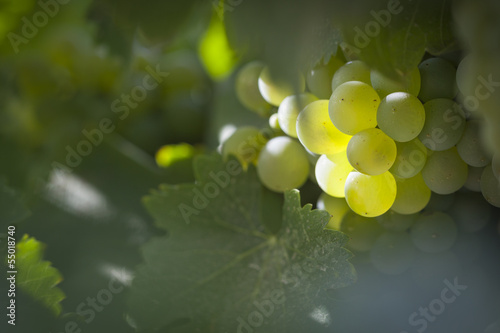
(37, 277)
(225, 270)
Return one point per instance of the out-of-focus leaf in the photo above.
(12, 208)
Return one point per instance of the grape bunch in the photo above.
(374, 144)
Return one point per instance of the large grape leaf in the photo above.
(286, 35)
(392, 36)
(37, 277)
(222, 268)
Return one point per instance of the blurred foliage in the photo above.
(94, 60)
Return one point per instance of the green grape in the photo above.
(438, 79)
(274, 122)
(393, 253)
(444, 124)
(245, 144)
(401, 116)
(440, 202)
(275, 89)
(385, 85)
(412, 195)
(495, 165)
(490, 186)
(471, 212)
(434, 232)
(362, 231)
(316, 131)
(473, 182)
(337, 207)
(464, 72)
(289, 111)
(283, 164)
(353, 107)
(396, 222)
(371, 152)
(331, 173)
(429, 269)
(247, 88)
(445, 172)
(355, 70)
(319, 79)
(470, 147)
(410, 159)
(370, 196)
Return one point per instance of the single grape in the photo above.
(444, 124)
(275, 89)
(438, 79)
(247, 88)
(471, 212)
(490, 186)
(289, 111)
(410, 158)
(337, 207)
(445, 172)
(396, 222)
(331, 173)
(274, 122)
(245, 144)
(371, 151)
(355, 70)
(401, 116)
(362, 231)
(473, 182)
(412, 195)
(319, 79)
(353, 107)
(283, 164)
(393, 253)
(385, 85)
(434, 232)
(470, 147)
(316, 131)
(440, 202)
(370, 196)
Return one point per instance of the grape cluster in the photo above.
(376, 143)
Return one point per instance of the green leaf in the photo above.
(223, 259)
(438, 25)
(393, 43)
(285, 35)
(392, 36)
(37, 277)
